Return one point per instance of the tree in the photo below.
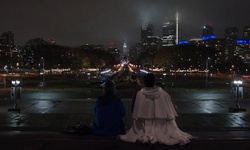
(183, 57)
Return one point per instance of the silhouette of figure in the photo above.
(108, 112)
(153, 115)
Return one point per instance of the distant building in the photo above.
(9, 54)
(125, 52)
(28, 58)
(93, 46)
(151, 44)
(231, 36)
(134, 51)
(146, 30)
(169, 34)
(246, 32)
(242, 51)
(112, 49)
(195, 41)
(7, 39)
(219, 45)
(207, 30)
(243, 46)
(125, 49)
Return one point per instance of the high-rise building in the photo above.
(218, 44)
(151, 44)
(242, 50)
(231, 36)
(246, 32)
(169, 34)
(207, 30)
(9, 54)
(7, 39)
(148, 41)
(146, 30)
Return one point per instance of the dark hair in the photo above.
(149, 80)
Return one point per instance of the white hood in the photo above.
(152, 93)
(153, 102)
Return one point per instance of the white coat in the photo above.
(154, 119)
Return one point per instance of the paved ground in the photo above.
(40, 123)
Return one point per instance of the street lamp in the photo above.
(15, 82)
(14, 93)
(238, 92)
(237, 83)
(88, 74)
(164, 74)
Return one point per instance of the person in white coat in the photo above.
(153, 116)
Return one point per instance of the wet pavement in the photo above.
(204, 114)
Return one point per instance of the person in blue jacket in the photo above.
(109, 112)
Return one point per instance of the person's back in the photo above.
(108, 113)
(152, 103)
(154, 117)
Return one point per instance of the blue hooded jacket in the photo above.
(108, 116)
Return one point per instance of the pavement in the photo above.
(41, 122)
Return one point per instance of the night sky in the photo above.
(77, 22)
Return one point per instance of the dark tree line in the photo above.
(57, 56)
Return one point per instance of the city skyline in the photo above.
(74, 23)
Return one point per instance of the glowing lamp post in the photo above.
(15, 82)
(237, 83)
(14, 90)
(164, 74)
(239, 95)
(88, 74)
(14, 93)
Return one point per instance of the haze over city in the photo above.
(79, 22)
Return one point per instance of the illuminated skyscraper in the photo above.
(169, 33)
